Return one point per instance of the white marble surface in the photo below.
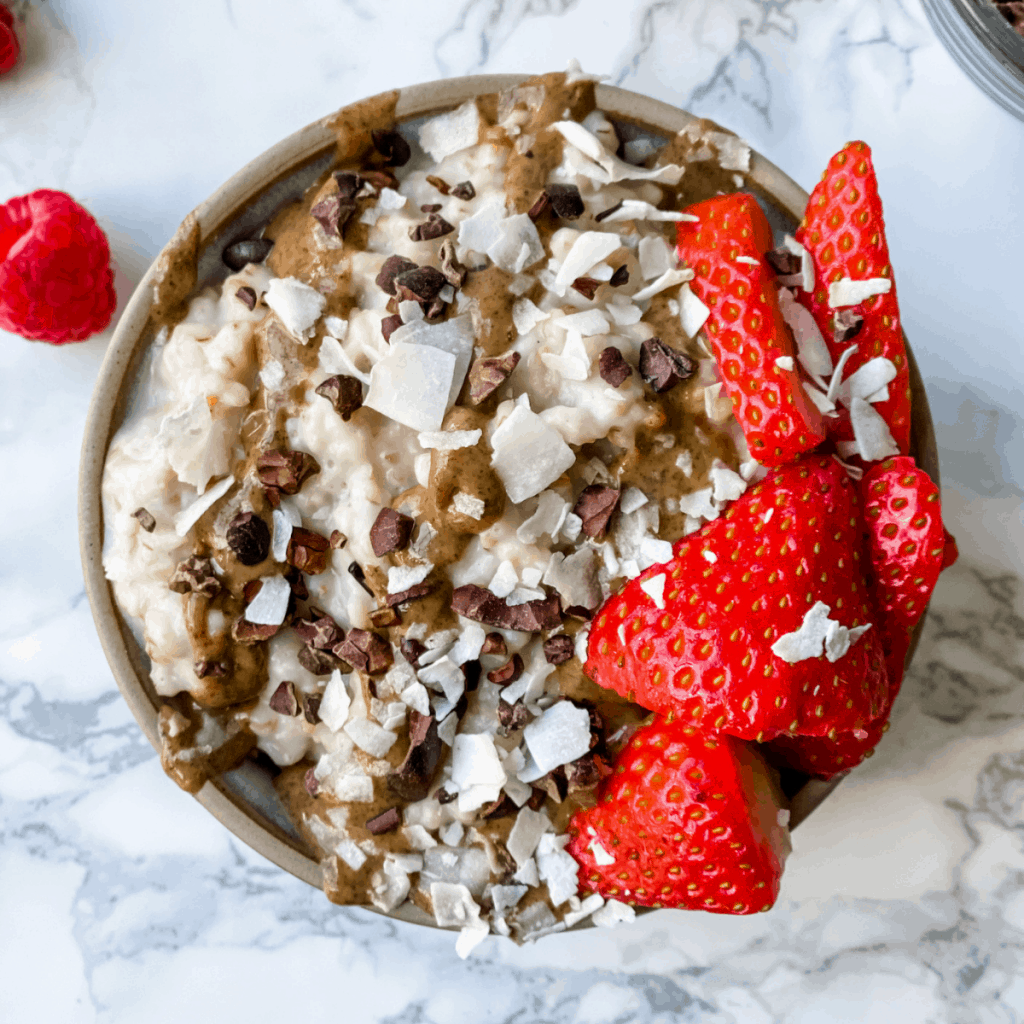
(121, 900)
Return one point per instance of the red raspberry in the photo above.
(10, 51)
(55, 278)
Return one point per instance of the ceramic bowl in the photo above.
(244, 800)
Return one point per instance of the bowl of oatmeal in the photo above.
(390, 416)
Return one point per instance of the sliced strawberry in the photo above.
(695, 635)
(686, 820)
(747, 332)
(844, 232)
(906, 539)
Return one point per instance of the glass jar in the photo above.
(985, 45)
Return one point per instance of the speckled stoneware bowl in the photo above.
(244, 799)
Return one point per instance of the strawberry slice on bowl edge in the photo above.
(695, 636)
(686, 820)
(844, 231)
(746, 329)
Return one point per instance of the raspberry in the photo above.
(55, 279)
(10, 51)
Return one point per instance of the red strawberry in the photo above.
(747, 332)
(690, 820)
(906, 539)
(827, 756)
(844, 231)
(701, 646)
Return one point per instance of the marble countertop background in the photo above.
(121, 900)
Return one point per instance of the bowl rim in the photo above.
(130, 338)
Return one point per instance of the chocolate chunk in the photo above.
(595, 506)
(494, 643)
(386, 822)
(246, 632)
(389, 325)
(344, 393)
(464, 190)
(393, 266)
(391, 146)
(248, 536)
(540, 204)
(440, 184)
(349, 184)
(319, 663)
(782, 261)
(369, 652)
(308, 551)
(311, 782)
(414, 592)
(332, 213)
(382, 618)
(566, 201)
(420, 284)
(211, 669)
(411, 779)
(239, 255)
(391, 531)
(509, 672)
(145, 518)
(355, 570)
(454, 272)
(846, 325)
(247, 295)
(412, 650)
(586, 286)
(662, 367)
(604, 214)
(620, 277)
(311, 707)
(486, 375)
(434, 227)
(285, 470)
(195, 576)
(613, 366)
(338, 540)
(284, 700)
(586, 772)
(512, 717)
(559, 649)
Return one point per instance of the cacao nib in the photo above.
(586, 286)
(355, 570)
(332, 213)
(247, 296)
(440, 184)
(540, 204)
(382, 618)
(586, 772)
(391, 531)
(566, 201)
(211, 669)
(435, 226)
(389, 325)
(595, 506)
(559, 649)
(414, 592)
(311, 782)
(145, 518)
(344, 393)
(285, 470)
(248, 536)
(782, 261)
(338, 540)
(473, 602)
(662, 368)
(367, 651)
(393, 266)
(494, 643)
(386, 822)
(246, 632)
(284, 700)
(454, 272)
(613, 367)
(486, 375)
(319, 663)
(604, 214)
(412, 650)
(509, 672)
(512, 716)
(349, 184)
(195, 576)
(846, 325)
(464, 190)
(419, 285)
(239, 255)
(308, 551)
(311, 707)
(620, 277)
